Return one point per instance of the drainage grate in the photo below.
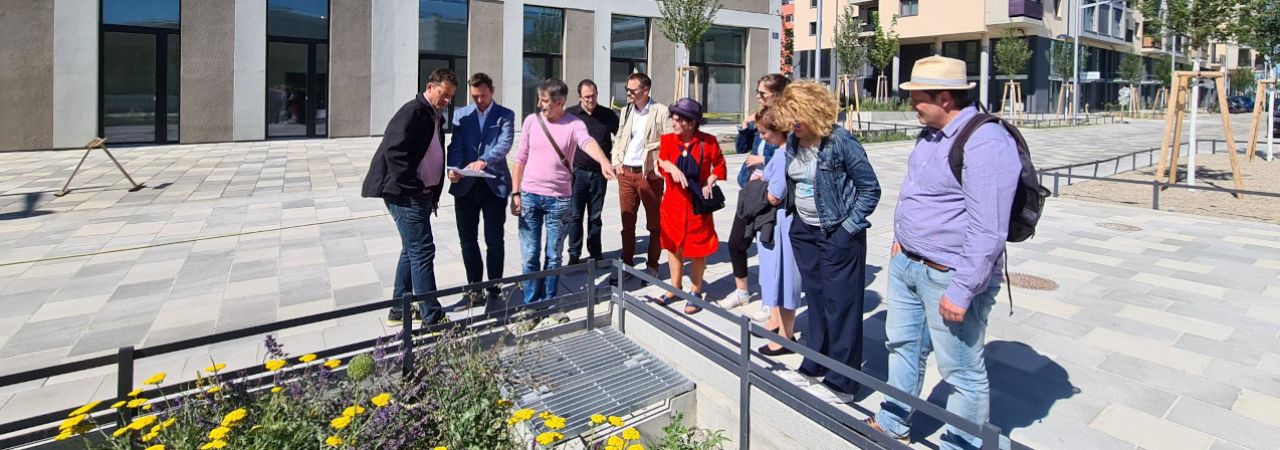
(594, 372)
(1118, 227)
(1025, 281)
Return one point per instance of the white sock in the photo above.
(743, 293)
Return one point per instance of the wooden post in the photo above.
(1258, 106)
(851, 93)
(1004, 100)
(682, 84)
(1181, 98)
(1170, 116)
(1173, 126)
(1226, 131)
(101, 144)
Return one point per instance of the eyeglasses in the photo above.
(634, 91)
(763, 94)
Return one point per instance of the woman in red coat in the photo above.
(691, 163)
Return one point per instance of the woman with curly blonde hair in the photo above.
(831, 189)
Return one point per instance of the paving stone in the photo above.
(1239, 354)
(1149, 431)
(1223, 424)
(1205, 389)
(1258, 406)
(1055, 324)
(1245, 377)
(1176, 322)
(1069, 349)
(1102, 320)
(1148, 349)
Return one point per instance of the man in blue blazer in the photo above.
(482, 136)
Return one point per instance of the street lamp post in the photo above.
(817, 52)
(1077, 28)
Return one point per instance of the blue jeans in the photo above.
(915, 328)
(535, 212)
(415, 272)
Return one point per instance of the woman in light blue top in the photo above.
(779, 276)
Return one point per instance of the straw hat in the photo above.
(938, 73)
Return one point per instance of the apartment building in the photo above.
(190, 71)
(970, 29)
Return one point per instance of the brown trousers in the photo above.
(635, 190)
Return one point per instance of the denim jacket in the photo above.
(748, 143)
(846, 189)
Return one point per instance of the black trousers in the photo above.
(479, 202)
(588, 202)
(739, 244)
(833, 266)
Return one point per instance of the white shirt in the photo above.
(635, 146)
(483, 115)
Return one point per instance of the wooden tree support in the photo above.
(882, 89)
(98, 143)
(1259, 105)
(1011, 100)
(1161, 101)
(682, 84)
(1066, 89)
(1170, 148)
(848, 87)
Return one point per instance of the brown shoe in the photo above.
(871, 422)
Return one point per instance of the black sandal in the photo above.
(691, 308)
(663, 300)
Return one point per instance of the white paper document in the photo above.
(470, 172)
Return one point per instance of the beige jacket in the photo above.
(659, 118)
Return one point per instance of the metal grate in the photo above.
(593, 372)
(1119, 227)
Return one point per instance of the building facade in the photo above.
(970, 29)
(192, 71)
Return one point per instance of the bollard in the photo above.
(406, 330)
(1155, 195)
(124, 382)
(1055, 184)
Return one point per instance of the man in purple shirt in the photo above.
(949, 237)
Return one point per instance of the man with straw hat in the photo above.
(948, 240)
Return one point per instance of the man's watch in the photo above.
(515, 194)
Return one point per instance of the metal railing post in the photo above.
(1069, 175)
(406, 331)
(1155, 194)
(591, 294)
(744, 384)
(1055, 184)
(990, 436)
(124, 382)
(622, 305)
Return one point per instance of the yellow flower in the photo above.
(64, 435)
(118, 404)
(307, 358)
(339, 423)
(635, 447)
(85, 409)
(214, 444)
(146, 407)
(597, 419)
(168, 423)
(155, 379)
(136, 402)
(156, 429)
(120, 431)
(554, 423)
(441, 448)
(219, 433)
(616, 421)
(215, 368)
(276, 389)
(156, 447)
(275, 364)
(549, 437)
(521, 416)
(545, 415)
(630, 434)
(233, 417)
(135, 392)
(333, 441)
(214, 390)
(255, 428)
(142, 422)
(149, 436)
(353, 411)
(333, 363)
(72, 422)
(615, 441)
(505, 403)
(381, 400)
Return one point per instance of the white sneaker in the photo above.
(763, 314)
(825, 394)
(734, 300)
(796, 378)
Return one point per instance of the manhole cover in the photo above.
(1024, 281)
(1119, 227)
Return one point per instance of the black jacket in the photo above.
(753, 205)
(394, 169)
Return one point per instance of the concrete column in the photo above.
(512, 56)
(603, 49)
(486, 46)
(393, 71)
(662, 64)
(26, 82)
(758, 50)
(350, 58)
(249, 71)
(579, 56)
(984, 72)
(207, 72)
(75, 72)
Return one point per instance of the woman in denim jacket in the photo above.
(831, 191)
(759, 152)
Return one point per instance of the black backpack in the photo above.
(1028, 200)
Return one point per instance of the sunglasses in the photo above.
(634, 91)
(763, 94)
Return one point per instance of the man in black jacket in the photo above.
(407, 173)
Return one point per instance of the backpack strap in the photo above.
(956, 157)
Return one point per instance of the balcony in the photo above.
(1031, 9)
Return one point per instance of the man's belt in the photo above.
(633, 169)
(921, 260)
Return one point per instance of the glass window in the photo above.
(543, 30)
(442, 27)
(630, 36)
(172, 75)
(537, 69)
(286, 89)
(813, 28)
(298, 18)
(724, 94)
(1104, 22)
(141, 13)
(129, 87)
(1117, 22)
(619, 70)
(909, 8)
(721, 45)
(1088, 19)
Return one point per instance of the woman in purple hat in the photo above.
(691, 163)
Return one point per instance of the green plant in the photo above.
(1131, 68)
(873, 137)
(1260, 28)
(893, 105)
(1064, 58)
(850, 48)
(884, 44)
(676, 436)
(1012, 53)
(1242, 80)
(685, 21)
(360, 367)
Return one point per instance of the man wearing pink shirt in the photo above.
(549, 140)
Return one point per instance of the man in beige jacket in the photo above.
(644, 121)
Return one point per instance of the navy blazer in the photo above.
(490, 142)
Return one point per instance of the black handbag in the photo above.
(702, 206)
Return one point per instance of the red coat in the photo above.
(682, 230)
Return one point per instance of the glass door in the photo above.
(429, 63)
(297, 88)
(139, 85)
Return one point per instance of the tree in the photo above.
(1064, 61)
(1131, 69)
(850, 48)
(884, 45)
(1242, 80)
(788, 50)
(1200, 21)
(1260, 28)
(1012, 53)
(685, 21)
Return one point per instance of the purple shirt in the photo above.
(959, 227)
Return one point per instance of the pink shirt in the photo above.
(544, 174)
(431, 169)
